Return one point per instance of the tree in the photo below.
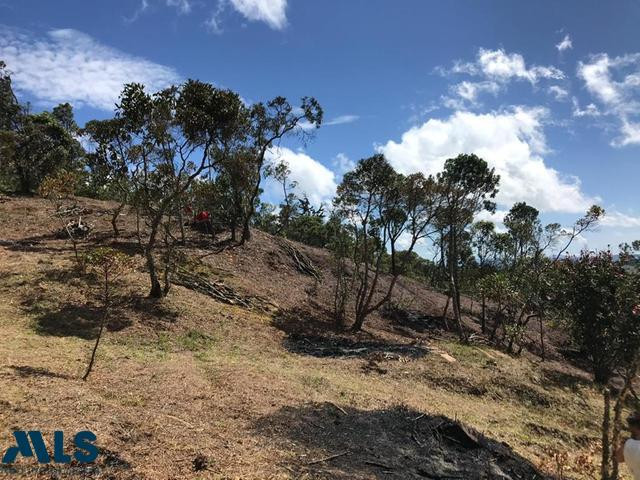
(601, 303)
(467, 186)
(525, 286)
(10, 109)
(109, 264)
(281, 173)
(340, 245)
(59, 189)
(113, 154)
(381, 205)
(172, 138)
(269, 123)
(38, 147)
(523, 226)
(307, 224)
(483, 242)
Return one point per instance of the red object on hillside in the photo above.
(203, 216)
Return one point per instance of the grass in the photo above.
(189, 376)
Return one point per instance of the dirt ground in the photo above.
(189, 387)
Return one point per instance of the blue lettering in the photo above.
(83, 441)
(58, 448)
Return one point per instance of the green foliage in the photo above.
(38, 147)
(601, 304)
(108, 262)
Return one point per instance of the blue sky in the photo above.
(547, 92)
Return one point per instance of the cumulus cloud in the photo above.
(615, 83)
(511, 141)
(504, 66)
(343, 164)
(313, 179)
(565, 44)
(70, 66)
(467, 93)
(272, 12)
(496, 68)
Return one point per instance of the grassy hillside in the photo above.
(192, 388)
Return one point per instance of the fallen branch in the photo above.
(301, 261)
(330, 457)
(217, 290)
(378, 464)
(338, 407)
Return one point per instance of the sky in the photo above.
(547, 92)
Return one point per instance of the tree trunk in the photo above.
(606, 428)
(114, 220)
(156, 288)
(183, 237)
(484, 314)
(102, 324)
(246, 232)
(542, 348)
(357, 325)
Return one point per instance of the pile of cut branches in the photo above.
(302, 262)
(215, 289)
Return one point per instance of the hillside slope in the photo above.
(193, 388)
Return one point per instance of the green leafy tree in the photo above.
(269, 123)
(467, 186)
(601, 301)
(173, 137)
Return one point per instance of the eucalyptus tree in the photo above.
(381, 206)
(467, 186)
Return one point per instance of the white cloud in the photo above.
(272, 12)
(503, 66)
(70, 66)
(615, 84)
(565, 44)
(314, 180)
(591, 110)
(496, 68)
(619, 219)
(511, 141)
(214, 23)
(558, 92)
(144, 5)
(343, 164)
(183, 6)
(470, 91)
(342, 119)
